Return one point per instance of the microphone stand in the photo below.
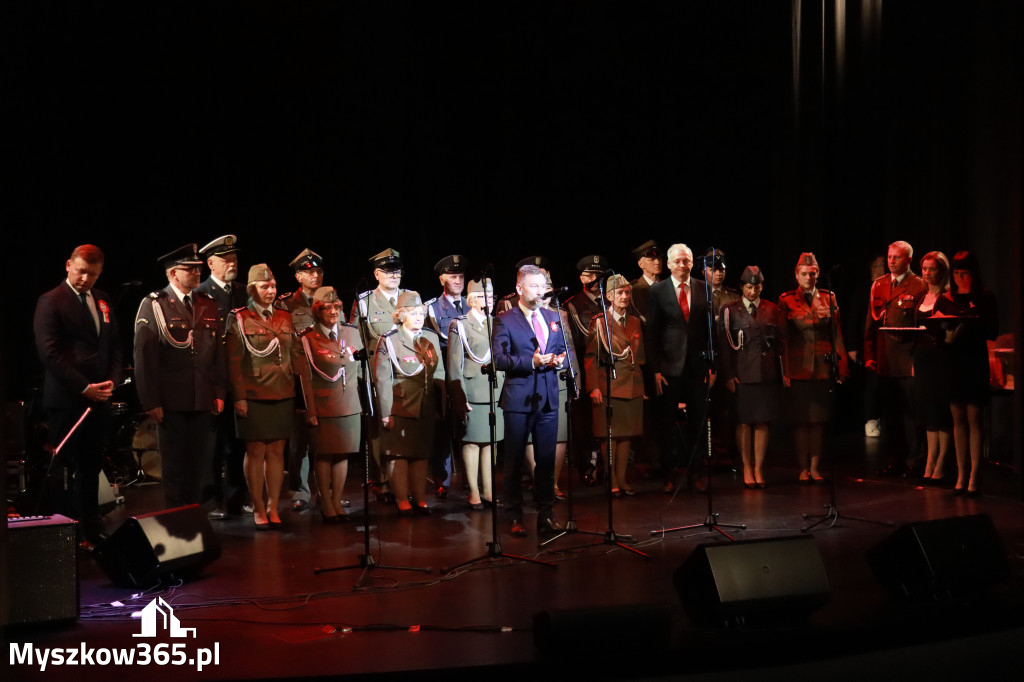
(610, 537)
(366, 560)
(832, 513)
(710, 522)
(494, 550)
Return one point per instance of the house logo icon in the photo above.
(159, 614)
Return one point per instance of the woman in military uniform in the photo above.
(264, 356)
(330, 346)
(469, 349)
(409, 374)
(812, 317)
(749, 332)
(627, 388)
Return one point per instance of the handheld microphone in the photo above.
(554, 293)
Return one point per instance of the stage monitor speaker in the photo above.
(946, 558)
(753, 582)
(42, 570)
(151, 548)
(644, 628)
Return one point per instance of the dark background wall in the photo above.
(498, 130)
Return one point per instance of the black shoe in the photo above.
(590, 475)
(405, 512)
(476, 506)
(973, 493)
(441, 492)
(518, 530)
(421, 510)
(216, 514)
(548, 526)
(276, 525)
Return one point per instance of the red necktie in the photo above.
(538, 329)
(684, 303)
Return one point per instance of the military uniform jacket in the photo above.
(264, 356)
(227, 300)
(179, 357)
(296, 304)
(409, 374)
(507, 302)
(378, 311)
(628, 349)
(639, 295)
(763, 342)
(71, 351)
(440, 313)
(721, 298)
(808, 337)
(469, 349)
(581, 310)
(333, 371)
(892, 306)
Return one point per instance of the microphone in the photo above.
(554, 293)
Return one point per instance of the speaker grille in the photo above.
(43, 575)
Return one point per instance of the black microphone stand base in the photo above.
(710, 524)
(369, 564)
(494, 552)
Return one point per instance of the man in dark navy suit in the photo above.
(528, 344)
(78, 344)
(677, 335)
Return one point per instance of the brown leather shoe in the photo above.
(548, 526)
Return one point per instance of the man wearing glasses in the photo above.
(180, 375)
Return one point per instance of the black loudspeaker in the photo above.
(753, 582)
(151, 548)
(574, 631)
(941, 559)
(42, 570)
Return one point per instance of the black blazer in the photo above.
(673, 344)
(71, 351)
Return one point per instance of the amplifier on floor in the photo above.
(42, 570)
(942, 559)
(752, 582)
(153, 548)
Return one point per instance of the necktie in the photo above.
(684, 303)
(188, 303)
(458, 305)
(538, 330)
(334, 337)
(809, 298)
(85, 300)
(92, 314)
(753, 310)
(267, 314)
(392, 301)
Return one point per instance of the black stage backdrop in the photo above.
(500, 130)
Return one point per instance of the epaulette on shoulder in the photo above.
(389, 332)
(824, 291)
(428, 329)
(365, 294)
(343, 323)
(238, 310)
(303, 332)
(731, 290)
(788, 294)
(431, 301)
(284, 296)
(157, 294)
(879, 279)
(507, 297)
(204, 294)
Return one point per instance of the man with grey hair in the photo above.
(892, 305)
(677, 337)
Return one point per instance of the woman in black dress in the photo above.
(969, 375)
(931, 369)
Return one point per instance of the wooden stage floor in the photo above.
(271, 616)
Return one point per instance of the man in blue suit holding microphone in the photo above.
(528, 344)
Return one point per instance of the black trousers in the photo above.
(186, 450)
(74, 475)
(899, 432)
(681, 424)
(543, 425)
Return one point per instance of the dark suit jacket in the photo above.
(673, 344)
(71, 351)
(526, 389)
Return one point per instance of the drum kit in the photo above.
(133, 453)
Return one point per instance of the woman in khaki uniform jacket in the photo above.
(264, 357)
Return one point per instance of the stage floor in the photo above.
(266, 611)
